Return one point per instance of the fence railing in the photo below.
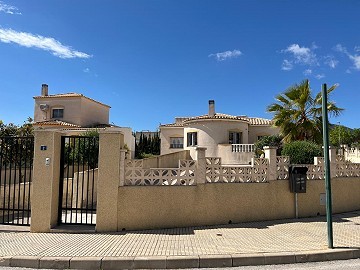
(242, 148)
(16, 160)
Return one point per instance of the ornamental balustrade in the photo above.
(282, 167)
(217, 173)
(211, 170)
(243, 148)
(136, 175)
(340, 168)
(345, 168)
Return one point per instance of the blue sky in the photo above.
(154, 60)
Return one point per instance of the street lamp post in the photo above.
(327, 166)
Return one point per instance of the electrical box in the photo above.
(297, 177)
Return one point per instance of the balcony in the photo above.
(236, 154)
(242, 148)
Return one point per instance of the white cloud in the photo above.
(357, 49)
(356, 60)
(319, 76)
(221, 56)
(9, 9)
(340, 48)
(86, 70)
(353, 57)
(331, 61)
(302, 55)
(307, 72)
(44, 43)
(287, 65)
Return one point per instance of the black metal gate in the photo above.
(16, 160)
(78, 179)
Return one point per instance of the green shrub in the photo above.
(273, 140)
(302, 152)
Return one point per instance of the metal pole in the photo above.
(327, 167)
(296, 206)
(339, 129)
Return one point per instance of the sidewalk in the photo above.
(255, 243)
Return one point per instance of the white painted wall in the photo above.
(165, 134)
(214, 132)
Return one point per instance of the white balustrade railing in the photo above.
(243, 148)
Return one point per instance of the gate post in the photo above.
(110, 154)
(270, 154)
(45, 186)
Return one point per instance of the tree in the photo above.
(341, 135)
(147, 146)
(83, 150)
(273, 140)
(302, 152)
(298, 114)
(13, 130)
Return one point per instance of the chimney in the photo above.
(211, 107)
(44, 90)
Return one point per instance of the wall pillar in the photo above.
(270, 154)
(123, 153)
(201, 165)
(46, 181)
(110, 143)
(332, 157)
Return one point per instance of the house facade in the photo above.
(227, 136)
(76, 114)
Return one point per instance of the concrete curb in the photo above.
(169, 262)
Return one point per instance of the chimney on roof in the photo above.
(44, 90)
(211, 107)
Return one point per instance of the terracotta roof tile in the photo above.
(55, 123)
(251, 120)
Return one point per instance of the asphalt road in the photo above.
(331, 265)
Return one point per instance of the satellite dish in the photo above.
(44, 107)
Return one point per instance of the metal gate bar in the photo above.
(78, 179)
(16, 160)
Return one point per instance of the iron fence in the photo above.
(16, 161)
(78, 179)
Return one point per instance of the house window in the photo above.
(192, 139)
(235, 137)
(176, 142)
(260, 137)
(57, 113)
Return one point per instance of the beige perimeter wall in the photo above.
(147, 207)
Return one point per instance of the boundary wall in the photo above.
(132, 195)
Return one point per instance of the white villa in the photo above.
(75, 113)
(227, 136)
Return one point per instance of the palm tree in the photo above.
(298, 114)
